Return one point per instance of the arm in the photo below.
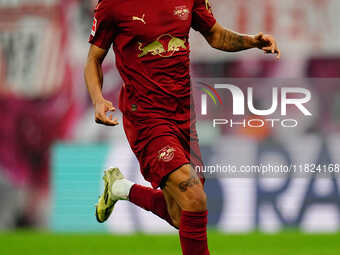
(227, 40)
(94, 81)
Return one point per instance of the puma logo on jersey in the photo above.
(135, 18)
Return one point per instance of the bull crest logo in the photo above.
(166, 154)
(182, 12)
(165, 46)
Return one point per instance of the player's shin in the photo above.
(193, 233)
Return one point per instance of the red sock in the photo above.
(193, 233)
(151, 200)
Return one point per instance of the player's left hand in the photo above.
(102, 107)
(268, 44)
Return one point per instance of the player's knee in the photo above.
(196, 200)
(199, 202)
(191, 196)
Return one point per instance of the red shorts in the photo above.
(162, 146)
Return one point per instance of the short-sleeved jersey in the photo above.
(150, 39)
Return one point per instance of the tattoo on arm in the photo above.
(232, 41)
(193, 180)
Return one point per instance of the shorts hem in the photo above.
(166, 176)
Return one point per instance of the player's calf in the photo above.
(185, 187)
(173, 209)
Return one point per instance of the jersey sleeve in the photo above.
(103, 27)
(202, 17)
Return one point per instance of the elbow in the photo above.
(217, 41)
(213, 40)
(213, 44)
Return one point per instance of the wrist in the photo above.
(97, 99)
(253, 42)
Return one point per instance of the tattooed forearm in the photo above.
(231, 41)
(193, 180)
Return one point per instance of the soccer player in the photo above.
(151, 46)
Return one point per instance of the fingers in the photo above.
(101, 108)
(271, 46)
(104, 120)
(278, 53)
(269, 49)
(109, 107)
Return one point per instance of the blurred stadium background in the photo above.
(52, 154)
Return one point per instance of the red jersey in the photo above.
(150, 39)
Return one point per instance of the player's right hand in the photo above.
(102, 107)
(268, 44)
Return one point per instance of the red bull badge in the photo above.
(182, 12)
(165, 46)
(166, 154)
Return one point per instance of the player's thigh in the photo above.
(186, 189)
